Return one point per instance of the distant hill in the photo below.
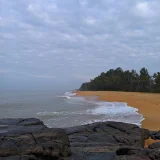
(119, 80)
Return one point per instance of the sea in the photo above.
(62, 109)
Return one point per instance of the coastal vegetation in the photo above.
(119, 80)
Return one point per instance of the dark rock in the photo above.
(154, 145)
(99, 156)
(155, 135)
(76, 129)
(49, 143)
(154, 154)
(30, 139)
(134, 157)
(26, 137)
(127, 128)
(140, 153)
(20, 126)
(10, 121)
(103, 139)
(131, 151)
(30, 122)
(23, 157)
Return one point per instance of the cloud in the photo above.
(83, 3)
(135, 33)
(57, 39)
(144, 9)
(90, 21)
(2, 56)
(8, 36)
(83, 78)
(43, 76)
(19, 73)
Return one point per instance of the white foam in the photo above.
(99, 111)
(70, 94)
(111, 108)
(46, 113)
(67, 95)
(110, 120)
(116, 111)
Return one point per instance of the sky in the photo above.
(62, 43)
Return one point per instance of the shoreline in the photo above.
(147, 104)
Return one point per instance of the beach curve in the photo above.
(148, 104)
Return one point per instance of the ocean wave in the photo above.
(95, 111)
(112, 108)
(67, 95)
(117, 111)
(64, 97)
(70, 94)
(112, 120)
(46, 113)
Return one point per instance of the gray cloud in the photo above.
(77, 39)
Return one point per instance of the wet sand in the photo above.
(148, 104)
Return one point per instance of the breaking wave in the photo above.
(67, 95)
(90, 110)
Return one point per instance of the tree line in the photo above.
(119, 80)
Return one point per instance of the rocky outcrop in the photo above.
(102, 140)
(30, 139)
(155, 134)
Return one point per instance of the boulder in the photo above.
(102, 140)
(154, 145)
(155, 135)
(30, 139)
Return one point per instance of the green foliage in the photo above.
(157, 82)
(119, 80)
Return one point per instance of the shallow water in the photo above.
(64, 109)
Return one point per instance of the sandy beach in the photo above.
(148, 104)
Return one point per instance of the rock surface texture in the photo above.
(30, 139)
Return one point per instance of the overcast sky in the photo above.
(67, 42)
